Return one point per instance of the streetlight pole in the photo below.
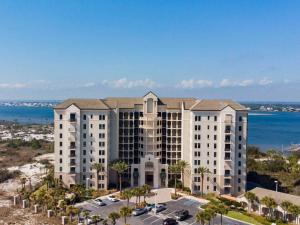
(276, 183)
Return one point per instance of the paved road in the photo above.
(152, 219)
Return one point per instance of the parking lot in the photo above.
(150, 217)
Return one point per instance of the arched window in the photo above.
(150, 105)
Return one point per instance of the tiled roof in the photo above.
(210, 105)
(82, 104)
(171, 103)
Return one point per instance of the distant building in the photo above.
(150, 133)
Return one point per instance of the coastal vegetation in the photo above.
(264, 168)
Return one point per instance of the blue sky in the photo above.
(244, 50)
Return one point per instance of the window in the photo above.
(197, 118)
(84, 135)
(60, 160)
(60, 152)
(215, 118)
(240, 163)
(60, 116)
(60, 135)
(208, 117)
(91, 125)
(84, 126)
(60, 126)
(240, 128)
(240, 138)
(91, 116)
(240, 119)
(60, 144)
(84, 117)
(60, 169)
(215, 128)
(215, 188)
(84, 152)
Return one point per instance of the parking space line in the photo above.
(156, 220)
(148, 218)
(171, 213)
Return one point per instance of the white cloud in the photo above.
(13, 85)
(246, 83)
(265, 81)
(191, 83)
(125, 83)
(230, 83)
(90, 84)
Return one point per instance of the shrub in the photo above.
(186, 189)
(175, 197)
(172, 183)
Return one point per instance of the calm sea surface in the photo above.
(266, 129)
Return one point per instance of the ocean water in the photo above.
(27, 115)
(265, 129)
(273, 129)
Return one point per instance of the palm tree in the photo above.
(125, 212)
(183, 165)
(96, 219)
(285, 206)
(105, 222)
(175, 169)
(270, 204)
(85, 215)
(71, 211)
(203, 171)
(251, 197)
(127, 194)
(211, 213)
(221, 209)
(120, 167)
(201, 217)
(114, 216)
(23, 182)
(294, 210)
(98, 167)
(146, 190)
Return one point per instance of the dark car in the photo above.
(169, 221)
(181, 214)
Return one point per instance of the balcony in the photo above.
(72, 163)
(72, 129)
(72, 147)
(227, 158)
(72, 120)
(72, 155)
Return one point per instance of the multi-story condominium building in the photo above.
(151, 133)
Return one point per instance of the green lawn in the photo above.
(242, 217)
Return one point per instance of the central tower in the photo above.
(150, 170)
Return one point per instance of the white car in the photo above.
(158, 208)
(98, 202)
(112, 198)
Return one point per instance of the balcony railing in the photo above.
(72, 147)
(72, 163)
(72, 120)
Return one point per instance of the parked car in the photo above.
(158, 208)
(98, 201)
(181, 214)
(112, 198)
(149, 206)
(169, 221)
(137, 212)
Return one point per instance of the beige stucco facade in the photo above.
(150, 133)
